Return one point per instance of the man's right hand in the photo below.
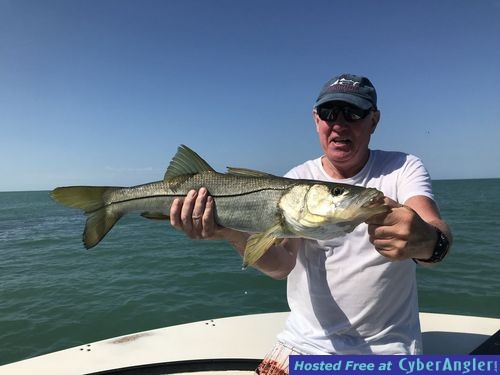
(194, 215)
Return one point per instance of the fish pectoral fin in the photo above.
(278, 241)
(186, 162)
(259, 243)
(155, 215)
(247, 172)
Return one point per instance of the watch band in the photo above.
(440, 249)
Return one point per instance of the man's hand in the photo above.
(401, 233)
(194, 215)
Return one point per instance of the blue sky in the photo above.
(102, 92)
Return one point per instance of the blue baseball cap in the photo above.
(349, 88)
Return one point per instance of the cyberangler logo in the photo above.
(394, 365)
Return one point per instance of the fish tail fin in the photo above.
(98, 224)
(91, 199)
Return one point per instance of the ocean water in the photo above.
(145, 275)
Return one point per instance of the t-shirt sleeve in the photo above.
(414, 180)
(292, 173)
(308, 170)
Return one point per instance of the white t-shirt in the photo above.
(344, 296)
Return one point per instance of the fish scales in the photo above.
(237, 199)
(219, 184)
(271, 207)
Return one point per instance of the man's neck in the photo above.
(340, 171)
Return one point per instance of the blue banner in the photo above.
(394, 365)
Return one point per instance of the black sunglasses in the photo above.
(350, 113)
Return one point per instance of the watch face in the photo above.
(442, 245)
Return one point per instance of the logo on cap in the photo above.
(356, 90)
(343, 84)
(343, 81)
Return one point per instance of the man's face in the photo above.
(346, 143)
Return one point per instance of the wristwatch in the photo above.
(440, 249)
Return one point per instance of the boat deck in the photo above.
(232, 344)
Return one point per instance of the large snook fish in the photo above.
(268, 206)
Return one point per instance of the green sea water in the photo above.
(145, 275)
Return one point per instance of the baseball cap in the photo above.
(353, 89)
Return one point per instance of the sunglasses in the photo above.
(351, 114)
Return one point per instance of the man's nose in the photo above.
(340, 121)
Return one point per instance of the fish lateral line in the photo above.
(266, 206)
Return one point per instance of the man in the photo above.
(356, 294)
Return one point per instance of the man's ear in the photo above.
(375, 120)
(316, 120)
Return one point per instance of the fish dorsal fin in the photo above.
(247, 172)
(186, 162)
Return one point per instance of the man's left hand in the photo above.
(401, 233)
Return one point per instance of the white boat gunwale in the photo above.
(234, 343)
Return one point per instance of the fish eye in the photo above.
(337, 191)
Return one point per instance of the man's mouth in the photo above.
(339, 141)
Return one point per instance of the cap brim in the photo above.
(348, 98)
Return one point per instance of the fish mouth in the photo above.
(372, 199)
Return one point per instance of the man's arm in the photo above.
(194, 215)
(408, 231)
